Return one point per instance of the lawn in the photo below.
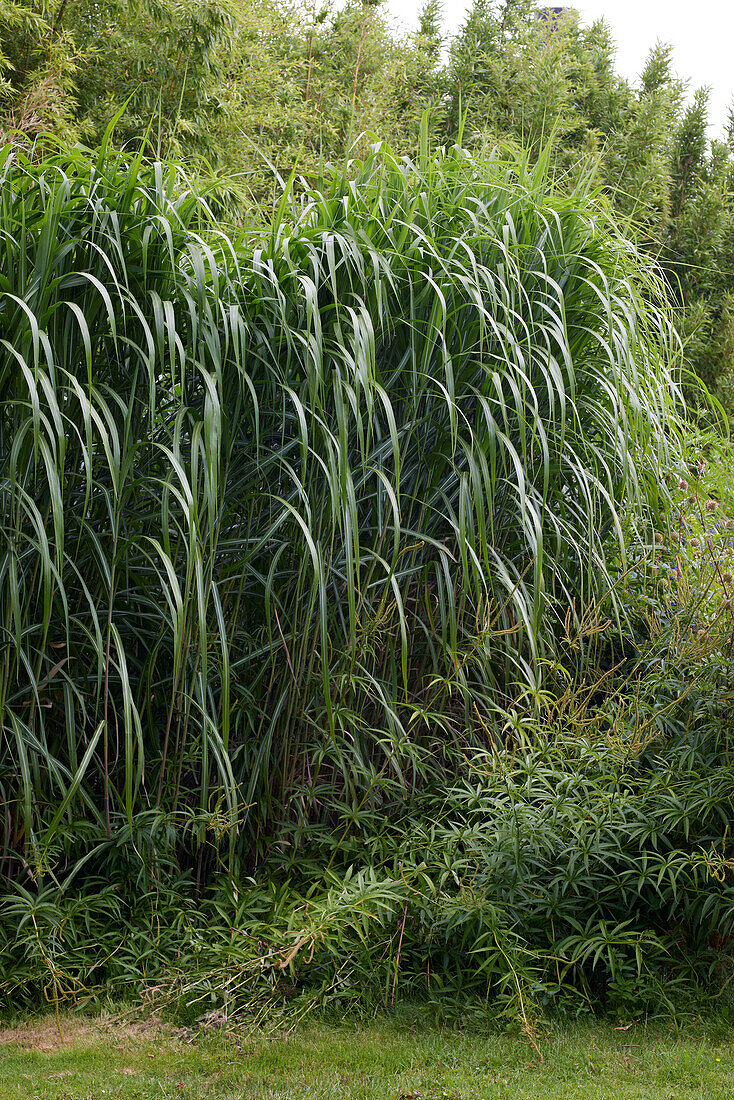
(97, 1058)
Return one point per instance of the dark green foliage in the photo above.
(310, 539)
(567, 874)
(284, 525)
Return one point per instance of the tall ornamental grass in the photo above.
(303, 512)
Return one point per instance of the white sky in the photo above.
(700, 31)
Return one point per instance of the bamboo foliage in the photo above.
(305, 507)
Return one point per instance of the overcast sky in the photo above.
(700, 31)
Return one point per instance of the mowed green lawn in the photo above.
(99, 1058)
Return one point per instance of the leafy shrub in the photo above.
(574, 873)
